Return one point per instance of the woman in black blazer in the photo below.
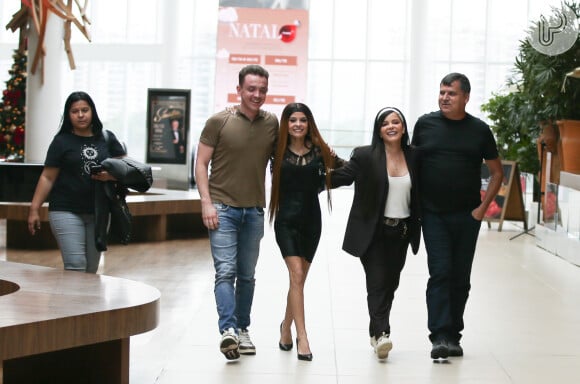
(384, 218)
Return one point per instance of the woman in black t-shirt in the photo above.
(68, 179)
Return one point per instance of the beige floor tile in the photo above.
(522, 318)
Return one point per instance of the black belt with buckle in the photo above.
(395, 222)
(391, 221)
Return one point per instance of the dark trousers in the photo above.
(450, 240)
(382, 264)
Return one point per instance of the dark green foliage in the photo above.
(536, 97)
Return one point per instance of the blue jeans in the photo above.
(450, 241)
(75, 235)
(235, 246)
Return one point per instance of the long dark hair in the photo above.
(66, 124)
(313, 137)
(377, 148)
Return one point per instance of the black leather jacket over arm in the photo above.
(110, 197)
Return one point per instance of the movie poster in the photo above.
(168, 126)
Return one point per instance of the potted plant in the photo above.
(524, 120)
(541, 77)
(569, 126)
(514, 128)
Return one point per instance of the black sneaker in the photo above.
(440, 350)
(455, 349)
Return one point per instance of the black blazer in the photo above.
(362, 225)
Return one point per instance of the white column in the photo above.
(170, 47)
(419, 98)
(43, 100)
(176, 175)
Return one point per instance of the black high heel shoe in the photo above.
(304, 357)
(284, 347)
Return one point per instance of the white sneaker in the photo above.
(246, 345)
(373, 342)
(383, 346)
(229, 344)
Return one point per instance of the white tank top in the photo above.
(399, 198)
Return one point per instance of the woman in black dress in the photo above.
(298, 176)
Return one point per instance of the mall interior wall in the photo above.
(362, 56)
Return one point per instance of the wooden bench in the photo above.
(60, 326)
(159, 214)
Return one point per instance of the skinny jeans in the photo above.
(75, 236)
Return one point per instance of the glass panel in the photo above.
(496, 76)
(204, 27)
(143, 22)
(7, 9)
(387, 30)
(468, 31)
(348, 123)
(320, 26)
(386, 86)
(350, 29)
(438, 29)
(320, 95)
(102, 17)
(202, 90)
(506, 24)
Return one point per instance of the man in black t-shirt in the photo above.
(452, 144)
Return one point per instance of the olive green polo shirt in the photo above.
(242, 149)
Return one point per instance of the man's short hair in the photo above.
(252, 69)
(463, 81)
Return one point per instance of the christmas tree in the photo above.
(12, 111)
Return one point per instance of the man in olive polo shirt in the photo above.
(238, 142)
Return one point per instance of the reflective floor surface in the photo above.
(522, 318)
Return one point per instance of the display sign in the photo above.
(508, 204)
(276, 39)
(167, 125)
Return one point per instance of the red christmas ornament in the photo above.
(18, 138)
(12, 97)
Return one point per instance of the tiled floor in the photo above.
(522, 319)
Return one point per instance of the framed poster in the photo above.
(168, 125)
(508, 204)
